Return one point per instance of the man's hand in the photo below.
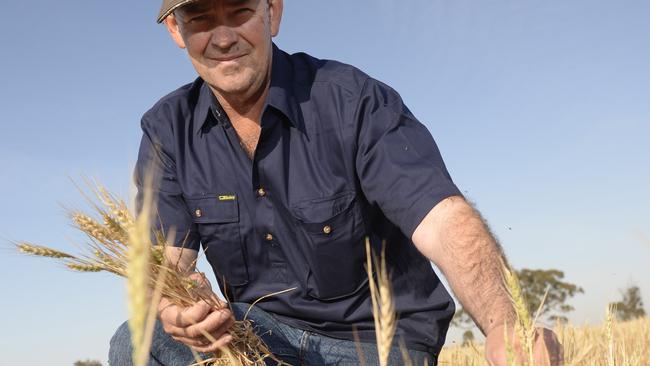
(454, 237)
(547, 350)
(190, 324)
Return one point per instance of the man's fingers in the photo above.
(222, 329)
(184, 317)
(548, 349)
(194, 314)
(164, 304)
(168, 313)
(192, 342)
(216, 323)
(221, 342)
(214, 340)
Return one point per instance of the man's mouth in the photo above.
(226, 58)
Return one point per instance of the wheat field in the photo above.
(611, 344)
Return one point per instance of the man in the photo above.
(279, 166)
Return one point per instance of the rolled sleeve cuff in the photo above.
(413, 216)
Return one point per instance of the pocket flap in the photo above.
(213, 209)
(323, 209)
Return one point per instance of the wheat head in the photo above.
(383, 306)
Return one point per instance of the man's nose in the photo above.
(223, 37)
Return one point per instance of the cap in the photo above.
(168, 6)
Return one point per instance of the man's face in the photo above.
(228, 41)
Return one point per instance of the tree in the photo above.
(87, 363)
(631, 307)
(468, 338)
(534, 283)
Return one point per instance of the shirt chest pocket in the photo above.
(334, 232)
(217, 219)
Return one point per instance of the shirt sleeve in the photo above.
(171, 216)
(398, 162)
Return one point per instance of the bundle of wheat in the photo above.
(121, 244)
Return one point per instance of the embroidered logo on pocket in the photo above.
(231, 197)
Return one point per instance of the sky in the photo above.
(540, 109)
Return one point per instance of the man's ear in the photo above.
(174, 31)
(275, 13)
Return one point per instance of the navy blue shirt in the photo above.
(340, 158)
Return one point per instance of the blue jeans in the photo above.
(291, 345)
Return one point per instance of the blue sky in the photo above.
(540, 110)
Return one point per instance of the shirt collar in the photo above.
(281, 95)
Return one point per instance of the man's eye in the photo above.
(243, 11)
(198, 19)
(242, 15)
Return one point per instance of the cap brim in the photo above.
(166, 10)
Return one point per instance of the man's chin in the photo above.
(226, 88)
(230, 84)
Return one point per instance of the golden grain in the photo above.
(85, 267)
(41, 251)
(586, 345)
(89, 226)
(525, 324)
(609, 334)
(122, 245)
(383, 307)
(138, 276)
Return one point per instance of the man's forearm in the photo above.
(183, 259)
(455, 238)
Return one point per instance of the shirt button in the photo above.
(198, 213)
(327, 229)
(261, 192)
(268, 237)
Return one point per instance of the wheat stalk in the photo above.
(609, 333)
(85, 267)
(510, 351)
(90, 226)
(525, 325)
(41, 251)
(114, 228)
(117, 208)
(137, 270)
(405, 354)
(383, 307)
